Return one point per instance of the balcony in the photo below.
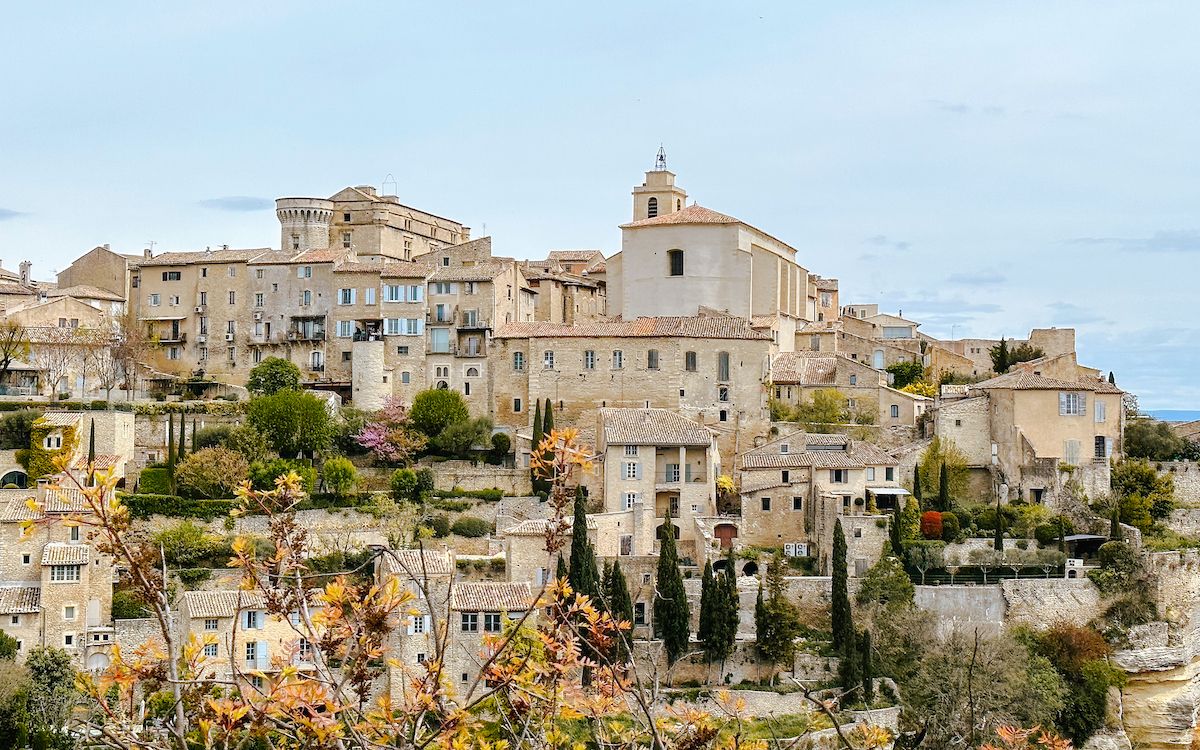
(316, 368)
(466, 322)
(173, 337)
(316, 334)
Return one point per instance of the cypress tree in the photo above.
(194, 448)
(1062, 539)
(1111, 378)
(672, 615)
(894, 533)
(725, 614)
(91, 459)
(182, 438)
(998, 542)
(1114, 526)
(842, 616)
(917, 484)
(762, 625)
(620, 606)
(582, 573)
(850, 665)
(535, 446)
(868, 669)
(707, 595)
(943, 489)
(171, 450)
(561, 572)
(547, 428)
(1000, 358)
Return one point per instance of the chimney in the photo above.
(368, 189)
(147, 253)
(106, 246)
(42, 486)
(25, 267)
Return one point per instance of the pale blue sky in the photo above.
(986, 167)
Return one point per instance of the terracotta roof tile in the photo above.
(61, 418)
(57, 553)
(537, 526)
(20, 600)
(797, 368)
(406, 563)
(18, 510)
(705, 327)
(817, 451)
(651, 427)
(324, 255)
(574, 255)
(202, 256)
(85, 291)
(693, 214)
(1023, 380)
(103, 462)
(204, 604)
(490, 596)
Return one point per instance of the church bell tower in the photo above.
(658, 195)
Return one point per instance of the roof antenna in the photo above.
(386, 181)
(660, 161)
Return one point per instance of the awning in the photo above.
(888, 491)
(167, 317)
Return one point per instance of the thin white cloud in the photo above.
(238, 203)
(1166, 241)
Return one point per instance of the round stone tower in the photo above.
(369, 378)
(303, 223)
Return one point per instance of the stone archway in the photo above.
(726, 532)
(750, 568)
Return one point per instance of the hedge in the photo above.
(471, 527)
(144, 505)
(154, 481)
(67, 405)
(493, 494)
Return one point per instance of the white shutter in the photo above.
(637, 470)
(428, 623)
(1082, 404)
(1062, 404)
(411, 627)
(261, 653)
(420, 326)
(1108, 443)
(453, 288)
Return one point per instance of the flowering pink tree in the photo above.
(388, 436)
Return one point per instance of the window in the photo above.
(203, 353)
(723, 393)
(626, 548)
(64, 573)
(675, 262)
(232, 298)
(252, 619)
(210, 649)
(470, 622)
(491, 622)
(853, 380)
(347, 356)
(15, 620)
(618, 359)
(402, 350)
(258, 299)
(74, 534)
(1100, 409)
(173, 300)
(629, 499)
(889, 474)
(171, 275)
(797, 503)
(155, 300)
(346, 240)
(210, 623)
(173, 352)
(68, 640)
(895, 411)
(26, 559)
(652, 208)
(652, 359)
(784, 448)
(252, 653)
(346, 216)
(548, 359)
(304, 272)
(306, 298)
(1072, 404)
(870, 473)
(346, 296)
(633, 470)
(517, 406)
(443, 287)
(439, 340)
(838, 476)
(814, 343)
(69, 613)
(589, 360)
(52, 441)
(259, 273)
(723, 366)
(1101, 447)
(785, 476)
(631, 450)
(689, 361)
(203, 272)
(295, 242)
(232, 271)
(416, 624)
(766, 503)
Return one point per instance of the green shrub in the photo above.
(213, 437)
(339, 475)
(1047, 533)
(950, 527)
(434, 410)
(425, 481)
(264, 473)
(211, 473)
(405, 486)
(471, 527)
(16, 428)
(154, 481)
(440, 524)
(185, 544)
(127, 606)
(453, 506)
(492, 495)
(145, 505)
(193, 577)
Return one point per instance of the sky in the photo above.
(983, 167)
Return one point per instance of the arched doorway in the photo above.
(661, 530)
(726, 532)
(98, 662)
(720, 565)
(16, 477)
(750, 568)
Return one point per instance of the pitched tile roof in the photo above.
(1024, 380)
(703, 327)
(20, 600)
(796, 367)
(58, 553)
(323, 255)
(203, 256)
(88, 292)
(18, 510)
(693, 214)
(202, 604)
(574, 255)
(491, 596)
(61, 418)
(484, 271)
(274, 257)
(17, 289)
(817, 451)
(103, 462)
(651, 427)
(407, 563)
(825, 285)
(537, 526)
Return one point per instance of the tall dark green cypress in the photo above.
(182, 438)
(91, 459)
(850, 665)
(620, 606)
(917, 486)
(998, 542)
(672, 615)
(194, 448)
(535, 446)
(561, 572)
(1112, 378)
(724, 619)
(762, 625)
(842, 616)
(707, 595)
(582, 574)
(547, 428)
(171, 450)
(943, 489)
(868, 669)
(894, 533)
(1115, 532)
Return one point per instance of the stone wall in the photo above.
(1033, 601)
(133, 633)
(472, 476)
(1187, 480)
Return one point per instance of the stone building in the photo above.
(564, 297)
(796, 487)
(796, 376)
(709, 369)
(1032, 430)
(104, 269)
(56, 587)
(658, 460)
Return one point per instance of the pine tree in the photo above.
(535, 446)
(894, 533)
(182, 439)
(672, 615)
(707, 595)
(91, 459)
(620, 606)
(561, 572)
(998, 542)
(171, 450)
(868, 669)
(917, 485)
(582, 573)
(842, 616)
(943, 489)
(1062, 539)
(1115, 532)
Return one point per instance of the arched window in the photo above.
(675, 262)
(442, 385)
(652, 208)
(472, 372)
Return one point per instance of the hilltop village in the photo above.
(783, 493)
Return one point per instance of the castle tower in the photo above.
(658, 195)
(303, 223)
